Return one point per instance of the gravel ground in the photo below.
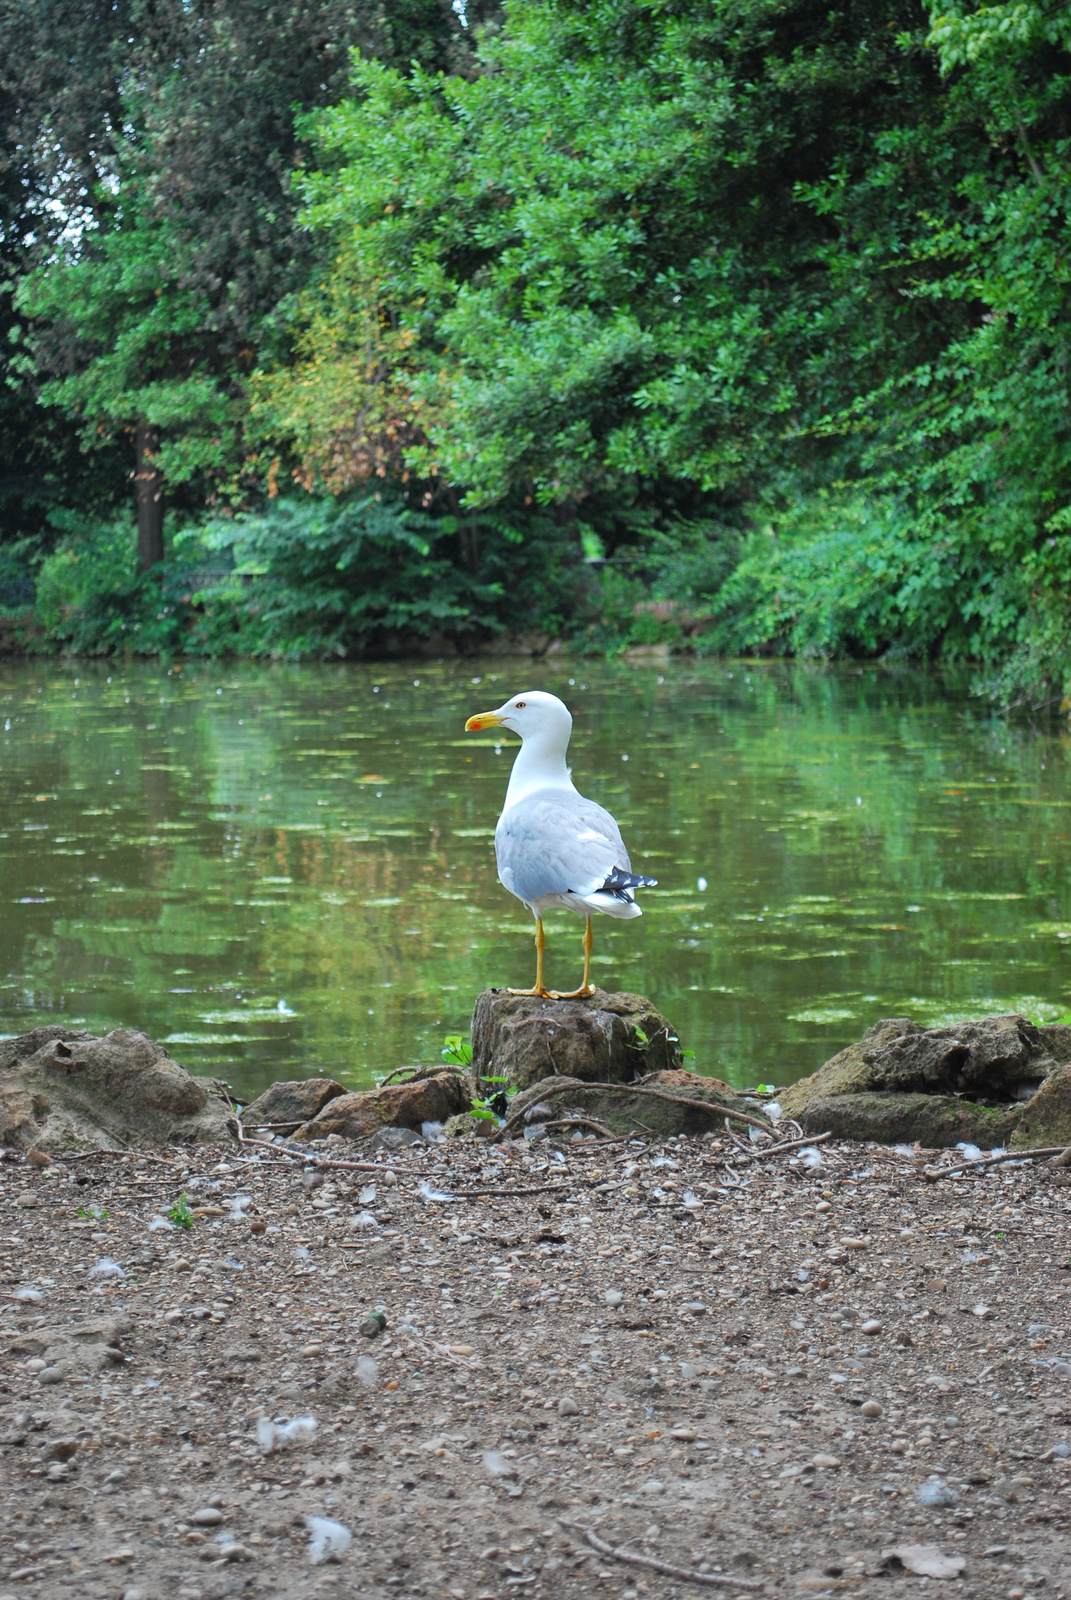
(754, 1385)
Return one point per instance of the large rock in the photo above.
(291, 1102)
(995, 1081)
(400, 1105)
(643, 1114)
(607, 1038)
(62, 1089)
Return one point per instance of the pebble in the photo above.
(389, 1179)
(654, 1486)
(257, 1225)
(822, 1207)
(825, 1461)
(683, 1433)
(983, 1311)
(35, 1364)
(28, 1202)
(567, 1407)
(50, 1375)
(182, 1265)
(207, 1517)
(235, 1552)
(134, 1594)
(613, 1297)
(872, 1325)
(871, 1408)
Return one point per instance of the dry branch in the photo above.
(718, 1580)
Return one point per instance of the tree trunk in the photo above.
(150, 487)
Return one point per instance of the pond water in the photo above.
(284, 870)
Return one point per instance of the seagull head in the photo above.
(532, 715)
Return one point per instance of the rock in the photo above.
(292, 1101)
(395, 1138)
(902, 1083)
(60, 1449)
(613, 1297)
(88, 1346)
(465, 1124)
(207, 1517)
(61, 1089)
(400, 1105)
(50, 1375)
(567, 1407)
(871, 1408)
(630, 1113)
(830, 1463)
(872, 1326)
(607, 1038)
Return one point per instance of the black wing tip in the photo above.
(620, 884)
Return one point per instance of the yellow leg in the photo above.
(585, 988)
(540, 944)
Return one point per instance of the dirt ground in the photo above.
(692, 1380)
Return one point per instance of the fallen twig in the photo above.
(719, 1580)
(582, 1122)
(136, 1155)
(785, 1144)
(572, 1085)
(933, 1174)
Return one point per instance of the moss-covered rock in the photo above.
(933, 1120)
(607, 1038)
(993, 1081)
(626, 1111)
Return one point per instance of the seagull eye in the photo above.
(518, 705)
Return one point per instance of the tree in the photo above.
(150, 312)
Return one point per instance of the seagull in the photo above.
(553, 847)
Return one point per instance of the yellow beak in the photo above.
(485, 719)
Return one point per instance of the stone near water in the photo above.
(902, 1084)
(291, 1101)
(598, 1040)
(63, 1088)
(629, 1113)
(871, 1408)
(361, 1114)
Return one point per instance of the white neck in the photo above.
(540, 764)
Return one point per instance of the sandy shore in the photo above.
(698, 1381)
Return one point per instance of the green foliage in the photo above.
(457, 1050)
(762, 306)
(150, 157)
(93, 1213)
(308, 578)
(181, 1215)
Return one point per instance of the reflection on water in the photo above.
(279, 869)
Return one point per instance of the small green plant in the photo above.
(457, 1050)
(180, 1213)
(93, 1213)
(491, 1107)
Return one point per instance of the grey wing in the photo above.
(554, 843)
